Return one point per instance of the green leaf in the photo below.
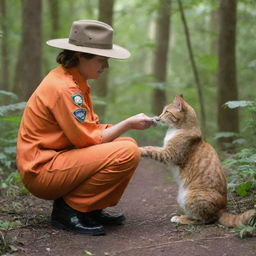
(224, 135)
(13, 119)
(9, 94)
(5, 225)
(252, 221)
(88, 252)
(13, 248)
(237, 104)
(12, 107)
(243, 188)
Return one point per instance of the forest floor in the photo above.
(148, 203)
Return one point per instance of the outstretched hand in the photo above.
(140, 122)
(137, 122)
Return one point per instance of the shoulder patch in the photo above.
(80, 114)
(77, 99)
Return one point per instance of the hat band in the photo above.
(91, 45)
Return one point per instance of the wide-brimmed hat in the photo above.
(91, 36)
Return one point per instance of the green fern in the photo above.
(247, 230)
(10, 116)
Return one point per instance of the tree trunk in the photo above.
(31, 46)
(17, 88)
(161, 55)
(228, 120)
(54, 15)
(54, 10)
(214, 28)
(4, 85)
(101, 85)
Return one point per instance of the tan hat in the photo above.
(91, 36)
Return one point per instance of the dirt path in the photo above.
(148, 204)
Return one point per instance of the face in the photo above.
(92, 68)
(171, 115)
(178, 114)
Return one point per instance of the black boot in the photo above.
(105, 218)
(65, 217)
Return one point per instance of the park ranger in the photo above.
(63, 152)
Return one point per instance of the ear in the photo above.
(179, 103)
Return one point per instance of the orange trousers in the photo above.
(89, 178)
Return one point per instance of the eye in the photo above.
(174, 118)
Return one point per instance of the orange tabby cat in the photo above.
(195, 166)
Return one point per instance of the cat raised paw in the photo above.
(143, 151)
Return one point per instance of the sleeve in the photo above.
(76, 122)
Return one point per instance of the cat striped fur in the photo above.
(196, 167)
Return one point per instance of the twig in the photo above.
(194, 68)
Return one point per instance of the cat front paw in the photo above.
(143, 151)
(146, 151)
(175, 219)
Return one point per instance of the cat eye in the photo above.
(174, 118)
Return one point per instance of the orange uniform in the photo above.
(60, 151)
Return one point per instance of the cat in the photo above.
(196, 168)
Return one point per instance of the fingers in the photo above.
(148, 121)
(141, 121)
(153, 120)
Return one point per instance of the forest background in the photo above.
(202, 49)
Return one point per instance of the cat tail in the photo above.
(231, 220)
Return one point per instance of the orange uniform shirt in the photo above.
(58, 117)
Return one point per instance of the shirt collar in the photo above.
(78, 79)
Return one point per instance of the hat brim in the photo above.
(117, 52)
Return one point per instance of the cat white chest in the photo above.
(171, 132)
(182, 193)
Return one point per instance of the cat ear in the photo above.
(179, 102)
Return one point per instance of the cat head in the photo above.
(179, 114)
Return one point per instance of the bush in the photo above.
(242, 164)
(10, 118)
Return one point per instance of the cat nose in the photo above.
(157, 118)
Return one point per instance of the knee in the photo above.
(130, 153)
(126, 139)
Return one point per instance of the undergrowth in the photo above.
(10, 118)
(241, 166)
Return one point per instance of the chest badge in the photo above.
(77, 99)
(80, 114)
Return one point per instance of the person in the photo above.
(63, 152)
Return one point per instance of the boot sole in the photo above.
(118, 222)
(59, 225)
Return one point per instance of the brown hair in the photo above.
(69, 59)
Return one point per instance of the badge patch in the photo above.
(77, 99)
(80, 115)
